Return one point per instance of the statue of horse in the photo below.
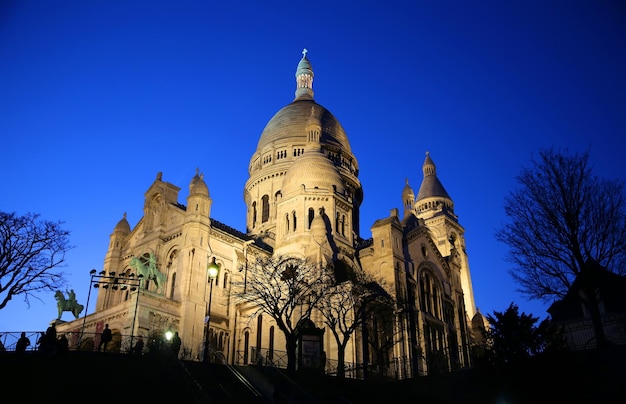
(67, 305)
(149, 271)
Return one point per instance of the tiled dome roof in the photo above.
(288, 125)
(122, 225)
(431, 186)
(197, 185)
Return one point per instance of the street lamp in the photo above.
(168, 338)
(213, 270)
(115, 282)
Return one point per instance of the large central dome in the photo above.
(288, 125)
(281, 165)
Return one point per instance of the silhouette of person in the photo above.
(2, 348)
(105, 338)
(175, 344)
(63, 344)
(51, 333)
(42, 343)
(138, 349)
(22, 343)
(50, 346)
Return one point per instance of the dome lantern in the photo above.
(304, 78)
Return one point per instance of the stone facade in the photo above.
(303, 197)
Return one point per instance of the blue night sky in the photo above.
(97, 97)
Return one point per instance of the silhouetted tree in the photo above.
(564, 220)
(513, 337)
(30, 252)
(285, 288)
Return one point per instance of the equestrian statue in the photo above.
(149, 271)
(70, 304)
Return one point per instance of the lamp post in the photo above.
(212, 270)
(115, 282)
(168, 339)
(82, 330)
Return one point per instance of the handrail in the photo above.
(238, 375)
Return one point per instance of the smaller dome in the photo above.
(304, 66)
(197, 184)
(312, 170)
(407, 192)
(122, 226)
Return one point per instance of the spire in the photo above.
(304, 78)
(431, 186)
(197, 184)
(428, 168)
(313, 130)
(123, 225)
(408, 198)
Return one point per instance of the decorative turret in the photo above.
(434, 206)
(313, 130)
(197, 184)
(116, 239)
(432, 194)
(122, 227)
(408, 199)
(304, 78)
(199, 200)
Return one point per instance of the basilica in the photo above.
(302, 199)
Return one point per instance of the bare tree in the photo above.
(379, 329)
(564, 221)
(346, 306)
(286, 289)
(31, 251)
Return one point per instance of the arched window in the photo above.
(220, 341)
(265, 214)
(422, 295)
(430, 295)
(287, 223)
(253, 214)
(173, 285)
(425, 292)
(270, 353)
(294, 221)
(259, 333)
(246, 345)
(311, 216)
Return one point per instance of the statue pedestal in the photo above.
(56, 322)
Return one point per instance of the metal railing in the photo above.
(9, 339)
(89, 342)
(581, 334)
(398, 368)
